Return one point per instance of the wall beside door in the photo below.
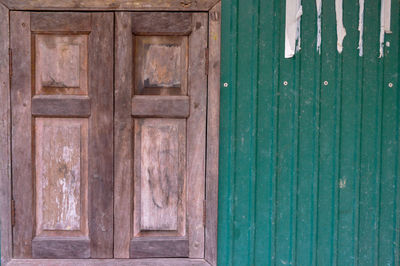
(309, 151)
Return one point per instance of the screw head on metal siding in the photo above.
(226, 84)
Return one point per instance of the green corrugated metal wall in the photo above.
(308, 172)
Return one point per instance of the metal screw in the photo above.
(326, 83)
(225, 84)
(390, 84)
(387, 44)
(285, 83)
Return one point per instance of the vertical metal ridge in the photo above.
(359, 163)
(337, 152)
(233, 87)
(254, 121)
(277, 26)
(396, 205)
(295, 160)
(379, 125)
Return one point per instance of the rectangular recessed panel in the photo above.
(61, 174)
(160, 170)
(61, 64)
(161, 65)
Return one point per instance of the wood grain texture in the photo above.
(196, 133)
(161, 23)
(101, 5)
(214, 42)
(160, 178)
(160, 106)
(101, 135)
(61, 65)
(5, 160)
(159, 248)
(60, 21)
(61, 106)
(108, 262)
(21, 134)
(61, 174)
(161, 65)
(123, 130)
(64, 248)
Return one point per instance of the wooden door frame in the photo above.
(213, 7)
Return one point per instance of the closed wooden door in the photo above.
(105, 169)
(160, 126)
(62, 134)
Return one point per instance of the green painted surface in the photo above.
(309, 171)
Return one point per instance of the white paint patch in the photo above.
(361, 27)
(67, 154)
(319, 10)
(340, 30)
(342, 183)
(385, 24)
(294, 11)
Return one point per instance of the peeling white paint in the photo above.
(342, 183)
(361, 27)
(319, 10)
(292, 27)
(341, 31)
(385, 24)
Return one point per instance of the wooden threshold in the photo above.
(101, 262)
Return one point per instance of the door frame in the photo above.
(213, 7)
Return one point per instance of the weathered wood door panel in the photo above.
(160, 124)
(62, 134)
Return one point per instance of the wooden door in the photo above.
(62, 134)
(160, 127)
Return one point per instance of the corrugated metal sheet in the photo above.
(309, 155)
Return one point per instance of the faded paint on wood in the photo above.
(21, 134)
(162, 174)
(73, 155)
(61, 175)
(159, 178)
(161, 23)
(160, 247)
(155, 5)
(68, 248)
(5, 160)
(60, 21)
(160, 106)
(61, 64)
(123, 140)
(196, 133)
(101, 62)
(214, 41)
(161, 65)
(61, 106)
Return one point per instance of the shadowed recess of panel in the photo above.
(161, 65)
(61, 64)
(161, 172)
(61, 148)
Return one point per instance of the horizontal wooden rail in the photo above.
(61, 106)
(160, 106)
